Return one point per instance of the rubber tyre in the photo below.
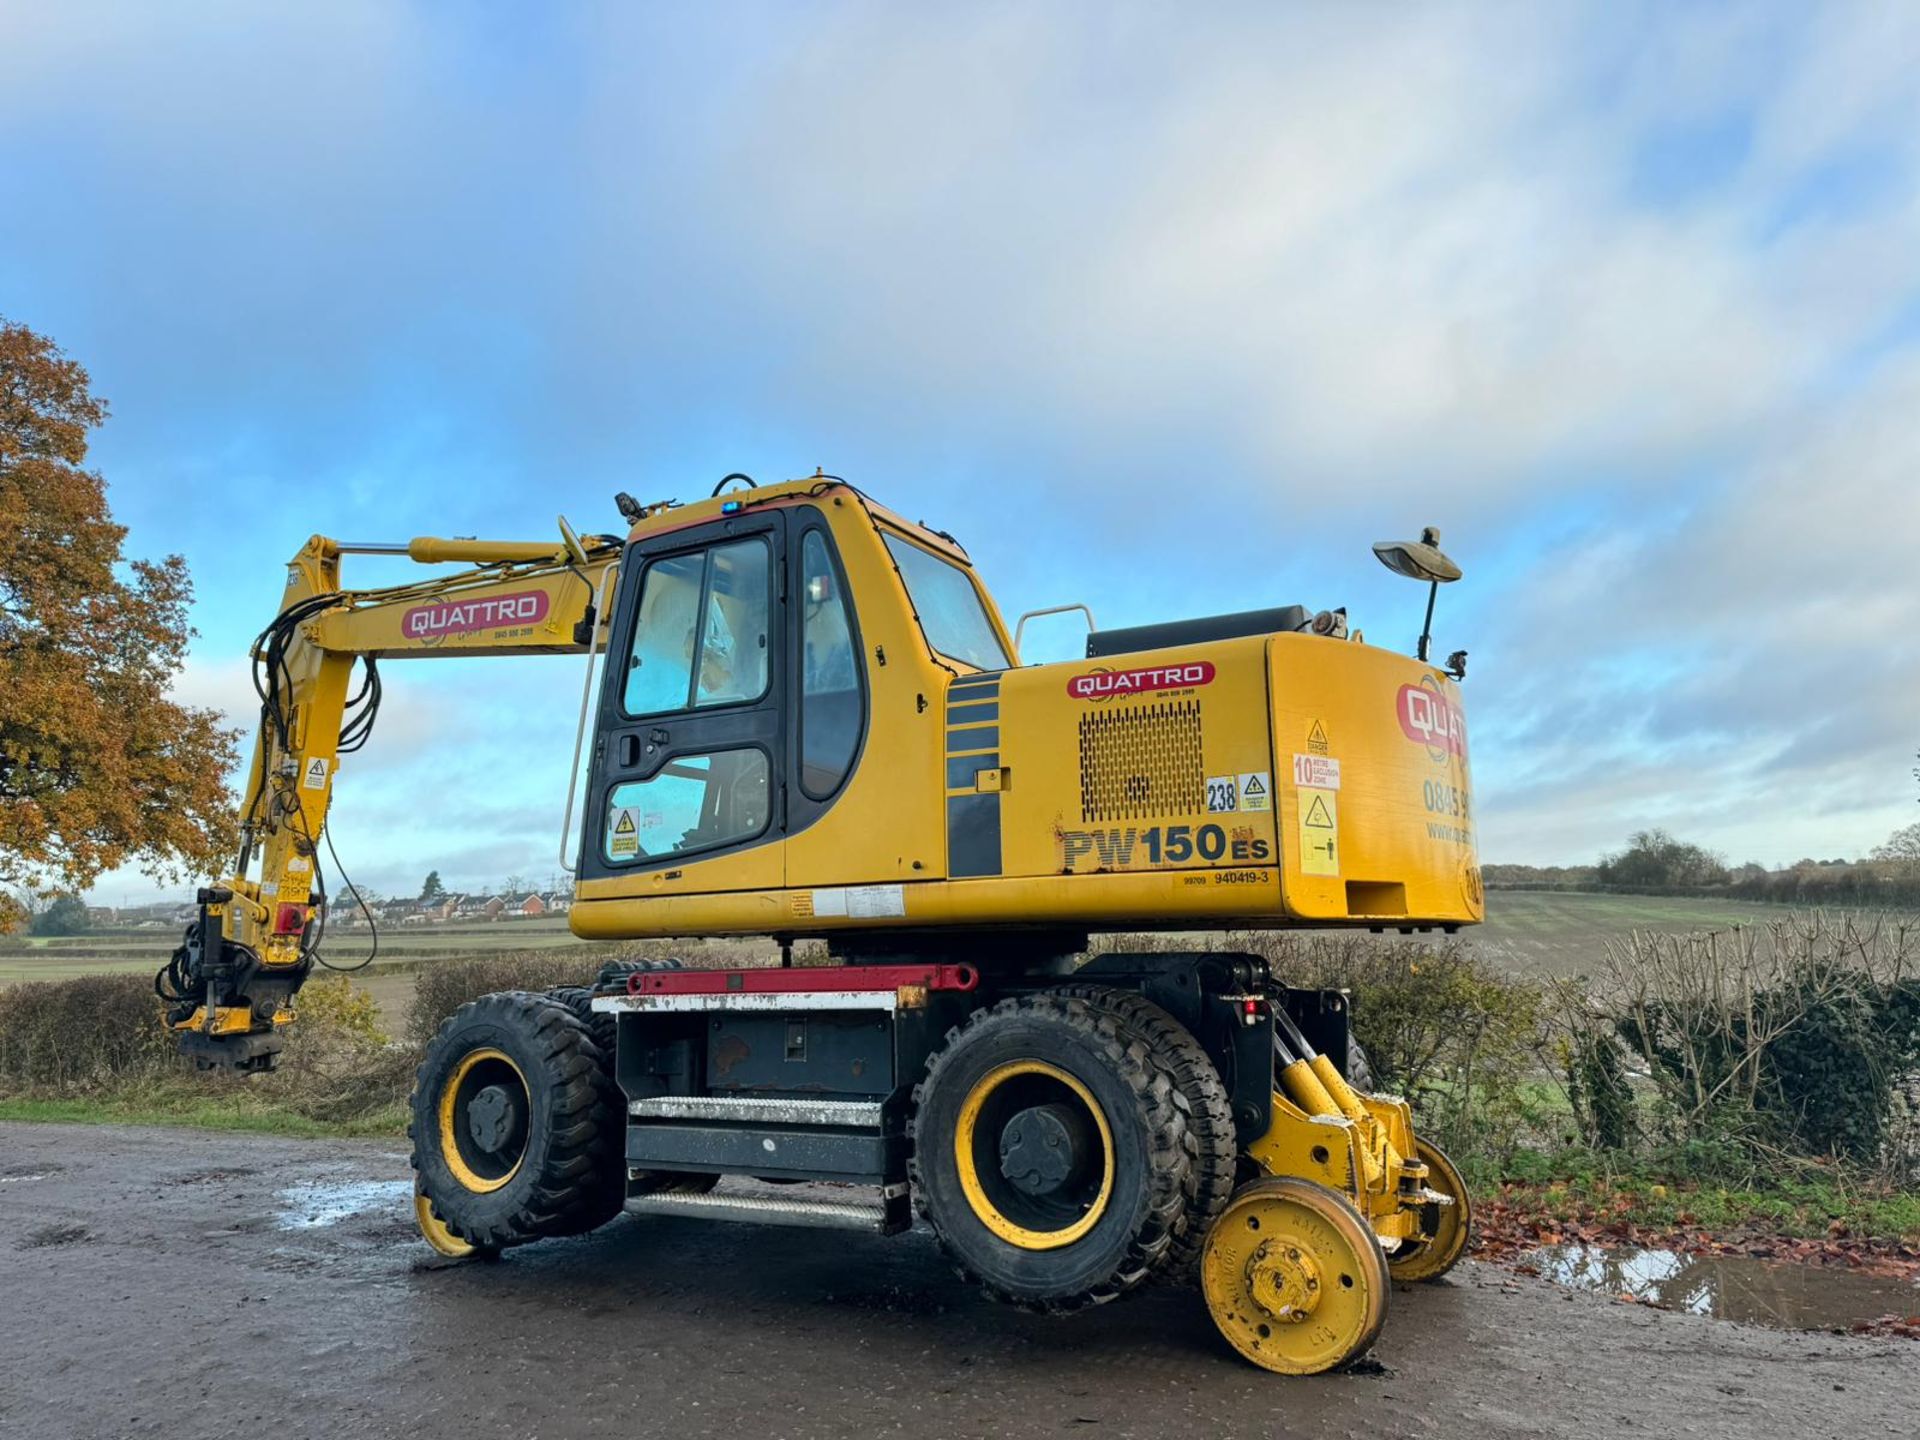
(1213, 1144)
(1359, 1068)
(604, 1029)
(1425, 1261)
(1135, 1091)
(560, 1183)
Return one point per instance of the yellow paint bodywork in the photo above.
(229, 1020)
(1333, 1150)
(1403, 856)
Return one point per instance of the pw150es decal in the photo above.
(1133, 848)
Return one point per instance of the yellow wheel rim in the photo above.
(1434, 1256)
(475, 1093)
(996, 1101)
(1294, 1277)
(435, 1232)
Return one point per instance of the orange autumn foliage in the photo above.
(98, 766)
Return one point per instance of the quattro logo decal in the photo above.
(463, 617)
(1105, 684)
(1428, 718)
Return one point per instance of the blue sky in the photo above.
(1167, 309)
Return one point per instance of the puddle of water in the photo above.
(1775, 1293)
(19, 1179)
(305, 1207)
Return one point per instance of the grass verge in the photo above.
(236, 1114)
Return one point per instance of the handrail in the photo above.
(1050, 610)
(600, 617)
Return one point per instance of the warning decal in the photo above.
(1319, 833)
(316, 773)
(623, 836)
(1256, 791)
(1316, 772)
(1317, 738)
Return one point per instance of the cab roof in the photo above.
(664, 517)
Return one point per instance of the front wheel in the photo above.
(510, 1126)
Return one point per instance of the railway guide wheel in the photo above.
(1050, 1152)
(1429, 1259)
(1294, 1277)
(510, 1127)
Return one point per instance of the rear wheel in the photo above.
(1213, 1144)
(1429, 1259)
(510, 1111)
(1294, 1277)
(1050, 1153)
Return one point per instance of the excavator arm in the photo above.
(230, 986)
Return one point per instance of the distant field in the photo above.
(1526, 933)
(1541, 933)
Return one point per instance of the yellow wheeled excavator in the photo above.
(803, 717)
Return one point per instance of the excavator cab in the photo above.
(805, 718)
(811, 722)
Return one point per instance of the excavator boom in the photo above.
(230, 986)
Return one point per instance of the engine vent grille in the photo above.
(1142, 761)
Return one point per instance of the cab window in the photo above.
(694, 802)
(701, 636)
(830, 700)
(951, 615)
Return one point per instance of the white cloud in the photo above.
(1237, 288)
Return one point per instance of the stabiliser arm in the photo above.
(230, 986)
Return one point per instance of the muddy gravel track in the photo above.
(181, 1283)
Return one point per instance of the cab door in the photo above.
(686, 793)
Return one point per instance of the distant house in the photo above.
(528, 904)
(478, 907)
(558, 903)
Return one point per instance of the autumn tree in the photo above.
(99, 767)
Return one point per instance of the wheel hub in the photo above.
(1283, 1280)
(1042, 1148)
(493, 1120)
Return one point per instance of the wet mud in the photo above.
(162, 1282)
